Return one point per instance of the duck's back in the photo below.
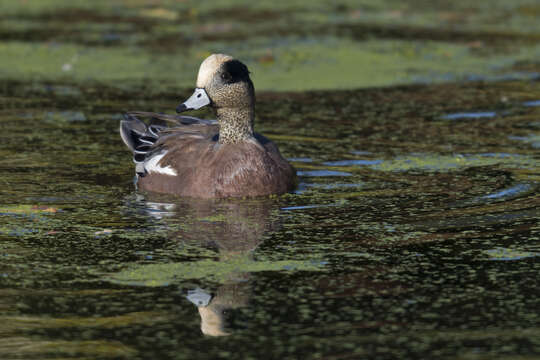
(188, 160)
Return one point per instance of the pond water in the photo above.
(413, 233)
(414, 230)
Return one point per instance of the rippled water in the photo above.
(413, 233)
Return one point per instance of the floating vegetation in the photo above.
(507, 254)
(428, 162)
(210, 270)
(413, 232)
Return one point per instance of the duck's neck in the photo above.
(235, 124)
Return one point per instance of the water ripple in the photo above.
(469, 115)
(532, 103)
(323, 173)
(352, 162)
(532, 139)
(301, 159)
(506, 254)
(509, 192)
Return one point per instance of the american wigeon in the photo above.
(209, 158)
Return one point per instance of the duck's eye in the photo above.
(226, 76)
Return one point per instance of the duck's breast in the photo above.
(249, 169)
(206, 169)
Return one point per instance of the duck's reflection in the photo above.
(214, 312)
(234, 228)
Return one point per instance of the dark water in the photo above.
(413, 234)
(414, 231)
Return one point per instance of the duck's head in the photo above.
(222, 82)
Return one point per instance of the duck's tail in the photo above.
(139, 137)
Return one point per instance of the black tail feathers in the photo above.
(138, 136)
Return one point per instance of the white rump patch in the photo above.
(151, 165)
(209, 67)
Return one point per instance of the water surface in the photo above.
(409, 236)
(413, 232)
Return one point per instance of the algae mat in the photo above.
(413, 232)
(295, 45)
(414, 229)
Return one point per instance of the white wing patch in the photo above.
(151, 165)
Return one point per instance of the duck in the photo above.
(191, 157)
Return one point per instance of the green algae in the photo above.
(102, 322)
(505, 254)
(30, 348)
(287, 47)
(72, 62)
(298, 64)
(428, 162)
(430, 252)
(26, 209)
(210, 270)
(519, 15)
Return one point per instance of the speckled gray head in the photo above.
(224, 83)
(216, 71)
(207, 70)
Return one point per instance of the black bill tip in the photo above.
(181, 108)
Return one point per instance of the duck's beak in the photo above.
(196, 101)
